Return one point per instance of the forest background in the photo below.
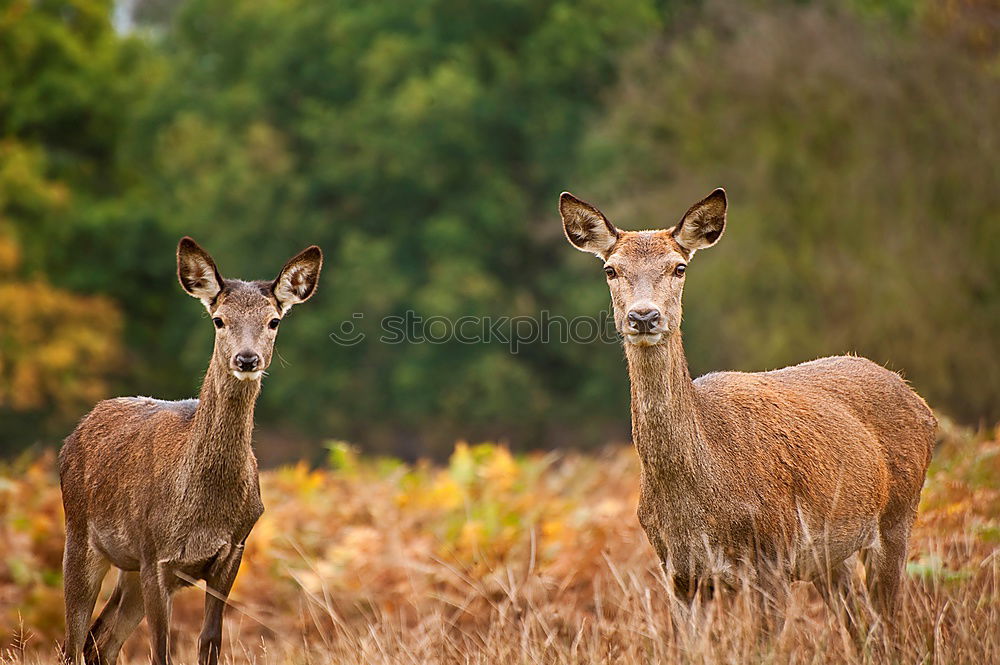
(423, 145)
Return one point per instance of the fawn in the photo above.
(168, 491)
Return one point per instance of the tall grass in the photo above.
(502, 559)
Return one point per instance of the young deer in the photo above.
(787, 472)
(168, 491)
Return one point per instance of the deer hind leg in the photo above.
(839, 593)
(219, 582)
(884, 566)
(836, 587)
(116, 622)
(769, 594)
(83, 571)
(156, 601)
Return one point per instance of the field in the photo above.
(496, 558)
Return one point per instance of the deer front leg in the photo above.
(219, 582)
(156, 601)
(83, 570)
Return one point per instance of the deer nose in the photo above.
(247, 361)
(643, 320)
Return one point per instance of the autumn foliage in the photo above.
(538, 557)
(57, 348)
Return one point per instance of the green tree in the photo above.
(862, 173)
(422, 146)
(65, 85)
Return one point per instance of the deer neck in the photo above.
(222, 428)
(665, 423)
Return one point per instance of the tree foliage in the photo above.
(422, 145)
(862, 170)
(65, 82)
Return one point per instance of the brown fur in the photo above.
(166, 491)
(791, 471)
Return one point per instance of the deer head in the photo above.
(645, 269)
(246, 315)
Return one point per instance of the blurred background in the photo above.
(423, 145)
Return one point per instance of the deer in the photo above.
(167, 492)
(787, 474)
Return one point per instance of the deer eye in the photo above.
(218, 322)
(680, 269)
(610, 272)
(273, 324)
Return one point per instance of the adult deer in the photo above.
(168, 491)
(788, 472)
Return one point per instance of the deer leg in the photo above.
(838, 592)
(83, 571)
(116, 622)
(835, 588)
(770, 594)
(884, 568)
(686, 587)
(156, 601)
(219, 582)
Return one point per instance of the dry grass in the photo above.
(497, 559)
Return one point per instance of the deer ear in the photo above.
(197, 272)
(703, 224)
(297, 280)
(586, 227)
